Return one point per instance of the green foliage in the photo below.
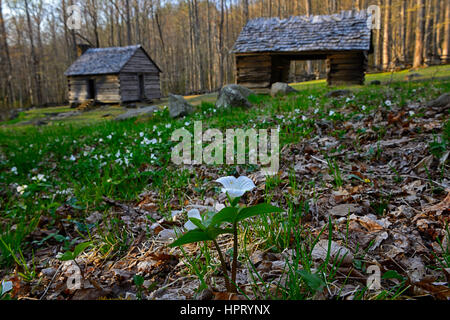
(72, 255)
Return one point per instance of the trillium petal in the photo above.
(227, 182)
(190, 226)
(245, 183)
(235, 193)
(194, 213)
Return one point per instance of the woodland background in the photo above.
(191, 40)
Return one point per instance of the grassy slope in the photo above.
(109, 112)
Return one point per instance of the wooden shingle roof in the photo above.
(97, 61)
(348, 30)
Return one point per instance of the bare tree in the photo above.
(446, 45)
(386, 35)
(5, 59)
(420, 28)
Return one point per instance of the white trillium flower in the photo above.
(194, 213)
(21, 189)
(236, 187)
(14, 170)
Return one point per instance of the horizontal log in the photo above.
(255, 84)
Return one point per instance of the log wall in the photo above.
(106, 87)
(254, 72)
(259, 72)
(346, 68)
(129, 86)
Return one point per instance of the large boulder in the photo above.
(179, 107)
(281, 89)
(234, 95)
(441, 102)
(134, 113)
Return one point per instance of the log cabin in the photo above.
(266, 46)
(113, 75)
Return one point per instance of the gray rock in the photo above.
(48, 272)
(65, 115)
(146, 111)
(280, 88)
(338, 93)
(412, 76)
(234, 95)
(8, 114)
(179, 107)
(441, 102)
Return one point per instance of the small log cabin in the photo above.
(113, 75)
(266, 46)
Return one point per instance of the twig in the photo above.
(130, 210)
(51, 282)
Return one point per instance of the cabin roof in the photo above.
(347, 30)
(104, 61)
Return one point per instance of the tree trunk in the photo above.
(309, 65)
(221, 45)
(6, 66)
(246, 12)
(446, 45)
(427, 45)
(403, 8)
(386, 36)
(420, 27)
(127, 10)
(34, 57)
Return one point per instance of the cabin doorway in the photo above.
(141, 87)
(91, 89)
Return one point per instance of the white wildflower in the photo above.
(236, 187)
(192, 214)
(21, 189)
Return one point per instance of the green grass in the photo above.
(441, 71)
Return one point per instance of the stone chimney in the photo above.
(82, 48)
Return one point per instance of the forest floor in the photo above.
(364, 182)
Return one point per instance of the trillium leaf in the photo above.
(257, 210)
(225, 215)
(215, 232)
(197, 223)
(67, 256)
(80, 248)
(192, 237)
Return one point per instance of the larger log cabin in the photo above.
(113, 75)
(266, 46)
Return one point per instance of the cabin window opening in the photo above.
(91, 89)
(141, 86)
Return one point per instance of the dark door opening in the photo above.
(91, 89)
(141, 87)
